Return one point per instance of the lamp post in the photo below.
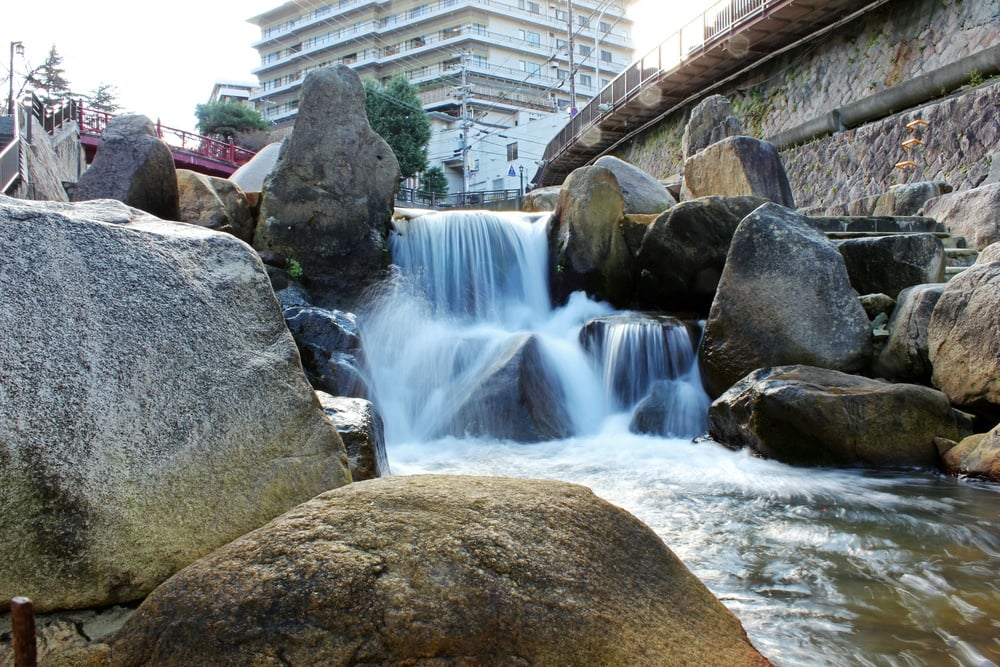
(19, 47)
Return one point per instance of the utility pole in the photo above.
(466, 124)
(572, 67)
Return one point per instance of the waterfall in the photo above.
(466, 361)
(465, 334)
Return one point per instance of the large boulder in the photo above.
(514, 397)
(975, 456)
(737, 166)
(133, 166)
(252, 176)
(587, 245)
(683, 251)
(152, 406)
(360, 427)
(784, 298)
(330, 347)
(888, 264)
(439, 570)
(815, 416)
(644, 195)
(672, 408)
(904, 357)
(541, 199)
(962, 339)
(974, 214)
(908, 198)
(712, 120)
(215, 203)
(990, 253)
(328, 202)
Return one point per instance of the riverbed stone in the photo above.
(672, 409)
(962, 340)
(712, 120)
(252, 175)
(515, 397)
(643, 194)
(215, 203)
(133, 165)
(908, 198)
(784, 298)
(683, 250)
(360, 427)
(737, 166)
(328, 202)
(973, 214)
(804, 415)
(440, 570)
(152, 407)
(905, 357)
(541, 199)
(990, 253)
(330, 347)
(975, 456)
(888, 264)
(587, 245)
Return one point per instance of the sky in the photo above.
(164, 58)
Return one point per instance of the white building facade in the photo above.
(495, 75)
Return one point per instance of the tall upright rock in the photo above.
(134, 166)
(328, 202)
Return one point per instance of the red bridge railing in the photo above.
(94, 122)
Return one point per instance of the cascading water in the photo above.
(823, 567)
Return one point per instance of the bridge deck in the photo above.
(668, 77)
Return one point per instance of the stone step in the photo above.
(961, 256)
(862, 235)
(876, 224)
(952, 271)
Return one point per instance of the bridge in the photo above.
(724, 42)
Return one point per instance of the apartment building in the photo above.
(480, 66)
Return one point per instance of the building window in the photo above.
(585, 50)
(511, 151)
(605, 56)
(416, 11)
(532, 38)
(478, 29)
(605, 27)
(480, 61)
(560, 44)
(561, 15)
(449, 33)
(582, 21)
(350, 58)
(586, 80)
(451, 63)
(534, 8)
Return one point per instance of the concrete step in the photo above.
(874, 224)
(961, 256)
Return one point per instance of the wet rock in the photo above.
(443, 570)
(672, 408)
(330, 347)
(515, 397)
(153, 409)
(904, 357)
(643, 194)
(974, 214)
(962, 340)
(683, 251)
(712, 120)
(814, 416)
(133, 166)
(328, 202)
(784, 298)
(735, 167)
(361, 429)
(215, 203)
(888, 264)
(587, 243)
(975, 456)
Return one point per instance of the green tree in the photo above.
(434, 181)
(103, 98)
(228, 120)
(48, 80)
(395, 113)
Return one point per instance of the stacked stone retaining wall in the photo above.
(899, 41)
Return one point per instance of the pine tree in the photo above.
(434, 181)
(395, 113)
(228, 120)
(103, 98)
(48, 80)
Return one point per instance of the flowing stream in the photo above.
(822, 566)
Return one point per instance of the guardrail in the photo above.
(490, 199)
(93, 121)
(721, 20)
(10, 158)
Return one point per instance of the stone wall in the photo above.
(901, 40)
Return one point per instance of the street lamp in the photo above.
(19, 48)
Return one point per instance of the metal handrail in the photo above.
(95, 122)
(720, 21)
(10, 158)
(479, 199)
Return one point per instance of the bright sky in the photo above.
(164, 58)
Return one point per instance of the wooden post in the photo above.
(23, 616)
